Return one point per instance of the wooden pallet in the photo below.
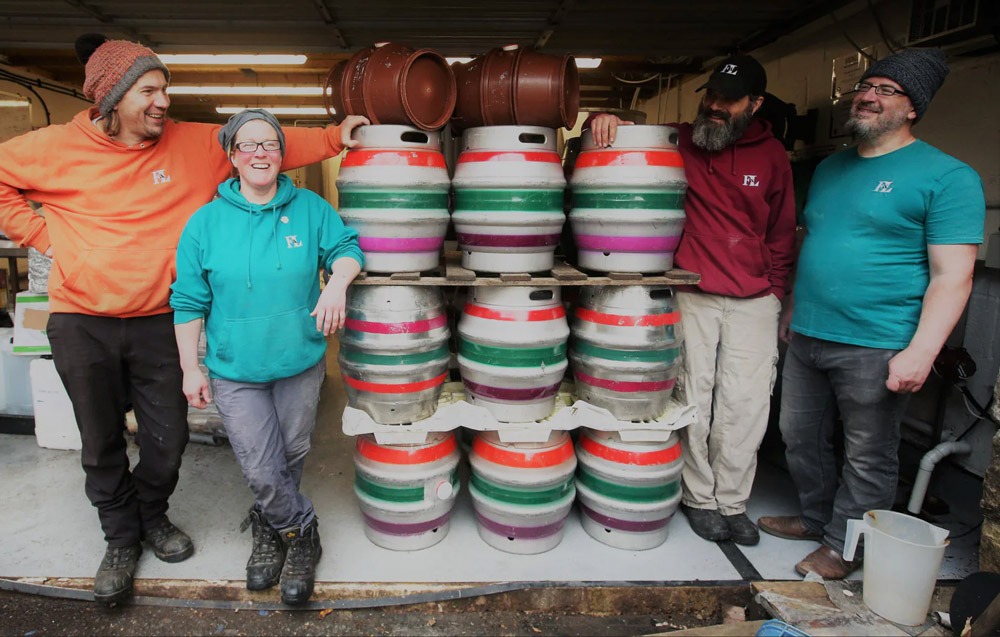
(451, 273)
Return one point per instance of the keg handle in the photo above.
(541, 295)
(661, 293)
(414, 137)
(531, 138)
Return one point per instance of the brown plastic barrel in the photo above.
(468, 79)
(546, 90)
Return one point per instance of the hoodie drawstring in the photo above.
(249, 242)
(274, 236)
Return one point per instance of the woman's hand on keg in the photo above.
(604, 127)
(331, 309)
(347, 126)
(196, 389)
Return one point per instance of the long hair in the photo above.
(112, 124)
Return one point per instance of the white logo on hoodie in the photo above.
(293, 241)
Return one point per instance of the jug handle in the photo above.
(854, 530)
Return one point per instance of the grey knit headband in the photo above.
(228, 132)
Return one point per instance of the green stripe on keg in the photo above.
(642, 356)
(650, 200)
(393, 199)
(394, 494)
(520, 496)
(627, 492)
(512, 357)
(510, 200)
(364, 358)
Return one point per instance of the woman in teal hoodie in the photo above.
(248, 268)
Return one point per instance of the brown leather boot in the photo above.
(790, 527)
(827, 563)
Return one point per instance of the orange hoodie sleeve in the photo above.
(18, 168)
(304, 146)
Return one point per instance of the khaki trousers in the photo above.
(729, 355)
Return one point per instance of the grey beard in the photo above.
(714, 137)
(870, 131)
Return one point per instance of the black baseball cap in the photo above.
(737, 76)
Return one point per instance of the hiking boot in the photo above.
(169, 543)
(113, 582)
(707, 523)
(827, 563)
(741, 529)
(303, 551)
(267, 555)
(789, 527)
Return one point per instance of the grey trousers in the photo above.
(269, 427)
(821, 380)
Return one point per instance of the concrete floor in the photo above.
(50, 530)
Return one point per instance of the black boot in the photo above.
(113, 582)
(268, 553)
(169, 543)
(299, 573)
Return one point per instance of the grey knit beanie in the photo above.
(228, 132)
(920, 72)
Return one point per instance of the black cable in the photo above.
(45, 107)
(847, 36)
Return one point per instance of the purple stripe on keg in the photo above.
(502, 393)
(404, 529)
(508, 240)
(604, 243)
(623, 525)
(417, 244)
(520, 532)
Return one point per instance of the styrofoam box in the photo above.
(15, 387)
(31, 315)
(55, 422)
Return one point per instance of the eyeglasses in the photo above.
(880, 89)
(269, 145)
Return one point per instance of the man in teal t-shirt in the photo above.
(893, 228)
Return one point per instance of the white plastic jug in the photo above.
(902, 558)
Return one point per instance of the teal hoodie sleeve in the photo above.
(337, 240)
(190, 295)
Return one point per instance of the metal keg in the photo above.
(393, 189)
(406, 492)
(512, 350)
(627, 491)
(509, 188)
(394, 351)
(628, 201)
(522, 492)
(625, 350)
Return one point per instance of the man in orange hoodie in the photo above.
(118, 183)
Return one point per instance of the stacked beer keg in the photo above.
(513, 345)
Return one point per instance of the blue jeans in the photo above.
(822, 380)
(270, 427)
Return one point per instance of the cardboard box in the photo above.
(31, 317)
(55, 422)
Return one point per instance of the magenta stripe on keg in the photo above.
(503, 393)
(520, 532)
(624, 525)
(627, 244)
(508, 241)
(387, 244)
(390, 528)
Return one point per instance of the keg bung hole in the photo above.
(607, 530)
(531, 138)
(607, 254)
(415, 137)
(661, 293)
(510, 538)
(541, 295)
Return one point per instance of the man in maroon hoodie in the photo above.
(740, 237)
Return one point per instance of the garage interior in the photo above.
(653, 55)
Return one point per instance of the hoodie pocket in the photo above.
(119, 281)
(268, 347)
(731, 253)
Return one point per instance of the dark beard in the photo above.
(714, 137)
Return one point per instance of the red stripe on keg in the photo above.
(624, 386)
(418, 158)
(515, 315)
(526, 394)
(408, 327)
(400, 388)
(593, 159)
(523, 459)
(621, 456)
(506, 155)
(623, 320)
(405, 455)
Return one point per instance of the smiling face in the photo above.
(143, 110)
(873, 116)
(258, 169)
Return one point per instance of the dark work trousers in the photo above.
(105, 362)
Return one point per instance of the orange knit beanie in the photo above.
(112, 67)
